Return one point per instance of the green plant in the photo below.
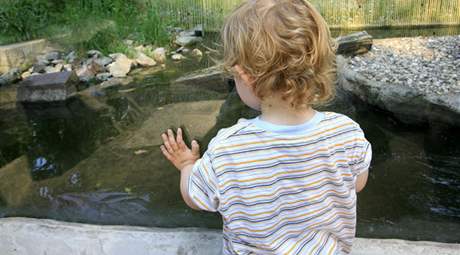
(24, 19)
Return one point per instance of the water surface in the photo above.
(96, 159)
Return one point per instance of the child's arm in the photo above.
(361, 181)
(183, 158)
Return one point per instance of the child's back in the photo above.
(284, 189)
(285, 182)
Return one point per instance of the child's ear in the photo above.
(243, 75)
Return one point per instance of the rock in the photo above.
(186, 40)
(68, 67)
(144, 60)
(140, 48)
(53, 55)
(47, 87)
(198, 30)
(25, 74)
(409, 105)
(121, 67)
(10, 77)
(39, 68)
(94, 54)
(190, 37)
(159, 55)
(41, 60)
(57, 61)
(177, 57)
(103, 61)
(197, 53)
(98, 67)
(71, 57)
(54, 69)
(354, 44)
(115, 82)
(103, 76)
(86, 73)
(116, 55)
(210, 78)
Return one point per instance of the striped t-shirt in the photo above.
(284, 189)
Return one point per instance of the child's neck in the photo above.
(277, 111)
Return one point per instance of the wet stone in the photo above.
(48, 87)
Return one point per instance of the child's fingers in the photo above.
(195, 148)
(172, 140)
(166, 153)
(166, 143)
(180, 140)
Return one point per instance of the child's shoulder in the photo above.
(338, 118)
(243, 126)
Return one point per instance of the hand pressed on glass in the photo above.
(176, 151)
(183, 158)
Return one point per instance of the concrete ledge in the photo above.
(34, 236)
(20, 54)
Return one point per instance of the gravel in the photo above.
(426, 64)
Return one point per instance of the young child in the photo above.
(286, 181)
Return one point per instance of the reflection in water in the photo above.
(79, 163)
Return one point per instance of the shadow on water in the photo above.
(96, 160)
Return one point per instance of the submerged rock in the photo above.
(16, 182)
(210, 78)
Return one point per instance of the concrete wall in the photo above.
(20, 54)
(21, 236)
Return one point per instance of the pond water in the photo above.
(96, 159)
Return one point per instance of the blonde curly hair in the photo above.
(285, 46)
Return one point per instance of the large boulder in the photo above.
(407, 104)
(47, 87)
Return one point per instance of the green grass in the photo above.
(85, 24)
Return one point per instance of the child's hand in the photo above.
(176, 151)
